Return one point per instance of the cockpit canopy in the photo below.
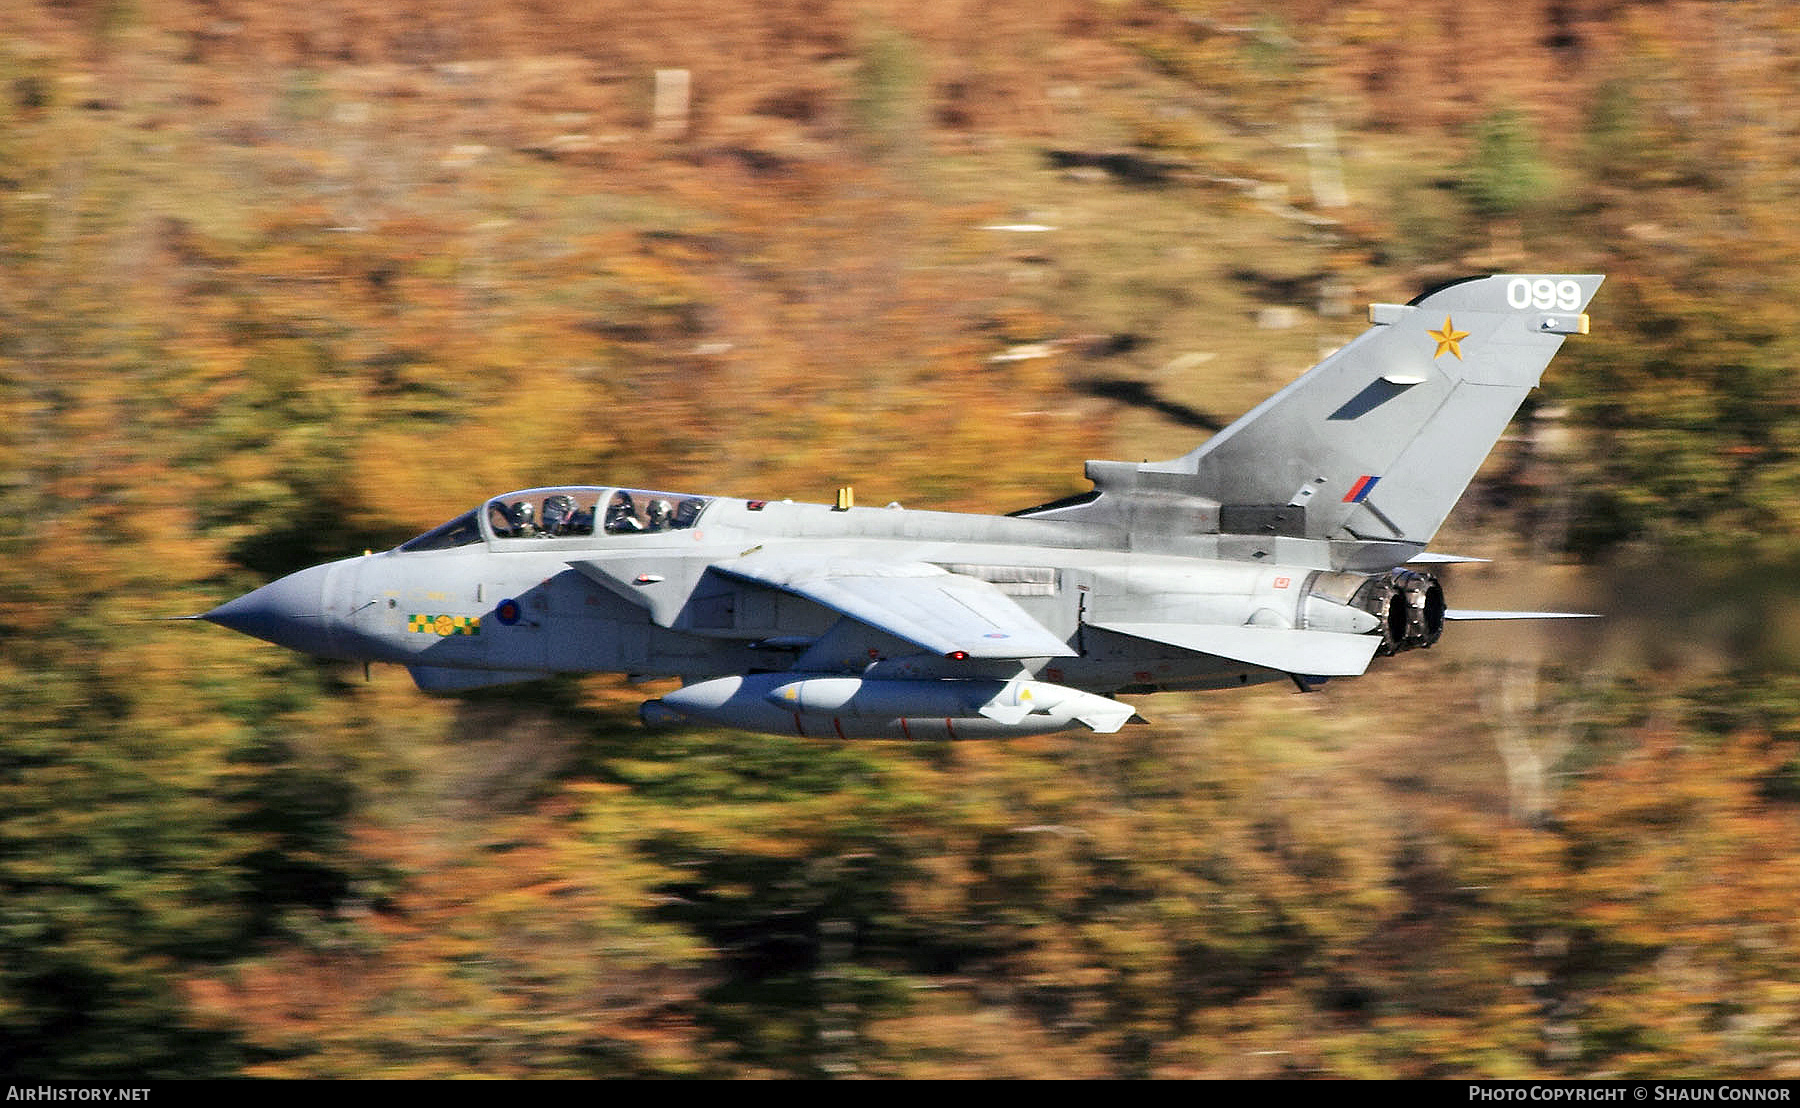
(574, 512)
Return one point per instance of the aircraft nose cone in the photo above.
(290, 612)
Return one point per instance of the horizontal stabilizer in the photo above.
(1471, 614)
(1313, 653)
(1431, 558)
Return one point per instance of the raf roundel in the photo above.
(507, 612)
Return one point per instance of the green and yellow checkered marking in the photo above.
(444, 625)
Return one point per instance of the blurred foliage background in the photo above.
(280, 282)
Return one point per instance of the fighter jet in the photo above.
(1289, 546)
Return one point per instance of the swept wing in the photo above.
(939, 611)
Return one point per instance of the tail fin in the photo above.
(1378, 441)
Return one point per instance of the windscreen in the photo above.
(461, 531)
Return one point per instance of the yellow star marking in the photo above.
(1449, 339)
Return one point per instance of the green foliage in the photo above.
(1505, 173)
(1693, 415)
(887, 104)
(1617, 143)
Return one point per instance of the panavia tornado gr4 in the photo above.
(1290, 546)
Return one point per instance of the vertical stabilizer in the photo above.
(1379, 440)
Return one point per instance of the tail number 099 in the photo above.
(1543, 294)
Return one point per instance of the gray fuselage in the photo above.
(644, 604)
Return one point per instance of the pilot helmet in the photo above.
(558, 511)
(659, 513)
(521, 513)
